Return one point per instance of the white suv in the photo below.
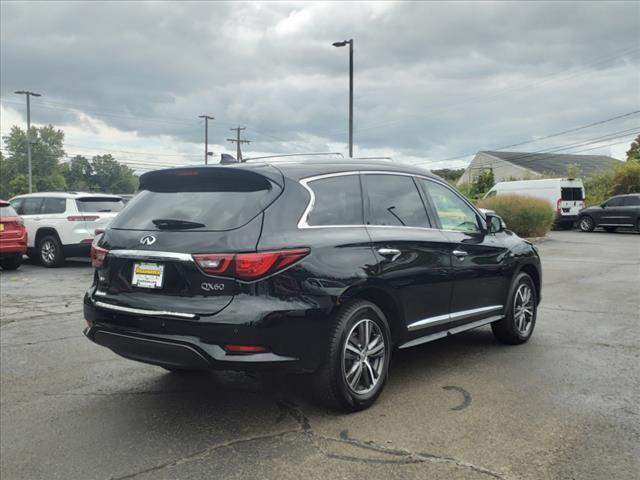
(63, 224)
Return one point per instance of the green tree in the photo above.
(111, 176)
(483, 183)
(633, 154)
(449, 174)
(46, 152)
(78, 173)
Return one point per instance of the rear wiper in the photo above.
(169, 223)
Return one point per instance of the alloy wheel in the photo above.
(523, 309)
(586, 224)
(363, 356)
(48, 251)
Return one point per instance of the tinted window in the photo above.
(7, 211)
(94, 205)
(208, 199)
(454, 213)
(30, 206)
(394, 200)
(571, 193)
(631, 201)
(54, 205)
(615, 202)
(338, 201)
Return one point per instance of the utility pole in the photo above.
(237, 141)
(28, 95)
(343, 44)
(206, 136)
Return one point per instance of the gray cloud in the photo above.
(433, 80)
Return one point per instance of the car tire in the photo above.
(11, 263)
(521, 312)
(586, 224)
(352, 376)
(50, 252)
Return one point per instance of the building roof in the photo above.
(555, 163)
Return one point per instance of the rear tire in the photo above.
(11, 263)
(522, 309)
(586, 224)
(355, 368)
(50, 251)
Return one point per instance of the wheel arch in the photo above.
(41, 232)
(386, 302)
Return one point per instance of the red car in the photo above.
(13, 237)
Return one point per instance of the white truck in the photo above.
(566, 195)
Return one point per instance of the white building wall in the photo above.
(502, 170)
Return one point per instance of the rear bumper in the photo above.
(295, 340)
(9, 247)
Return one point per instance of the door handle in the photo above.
(394, 253)
(460, 254)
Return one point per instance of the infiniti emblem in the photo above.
(148, 240)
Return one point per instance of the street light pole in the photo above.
(28, 95)
(342, 44)
(206, 136)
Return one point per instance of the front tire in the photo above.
(11, 263)
(50, 251)
(520, 319)
(587, 224)
(356, 364)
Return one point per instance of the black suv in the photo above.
(619, 211)
(306, 266)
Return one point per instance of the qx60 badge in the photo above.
(148, 240)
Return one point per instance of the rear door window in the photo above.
(614, 202)
(96, 205)
(571, 193)
(31, 206)
(631, 201)
(54, 205)
(207, 199)
(394, 200)
(338, 201)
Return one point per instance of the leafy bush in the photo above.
(526, 216)
(623, 178)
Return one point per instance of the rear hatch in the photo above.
(96, 212)
(11, 225)
(571, 199)
(184, 219)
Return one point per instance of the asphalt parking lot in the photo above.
(564, 406)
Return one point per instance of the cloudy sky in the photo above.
(435, 82)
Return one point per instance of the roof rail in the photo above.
(387, 159)
(295, 155)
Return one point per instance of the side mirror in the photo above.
(495, 224)
(603, 204)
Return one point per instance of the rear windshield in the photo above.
(95, 205)
(212, 200)
(7, 211)
(572, 193)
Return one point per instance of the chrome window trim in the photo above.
(141, 311)
(302, 223)
(440, 319)
(151, 255)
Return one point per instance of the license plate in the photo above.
(147, 275)
(1, 227)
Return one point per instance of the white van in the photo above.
(566, 195)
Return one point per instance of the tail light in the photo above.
(249, 266)
(98, 254)
(83, 218)
(558, 205)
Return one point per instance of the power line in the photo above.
(557, 134)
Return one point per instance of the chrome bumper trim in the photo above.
(433, 321)
(151, 255)
(140, 311)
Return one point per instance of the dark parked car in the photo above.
(618, 211)
(311, 267)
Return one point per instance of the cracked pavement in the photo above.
(565, 405)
